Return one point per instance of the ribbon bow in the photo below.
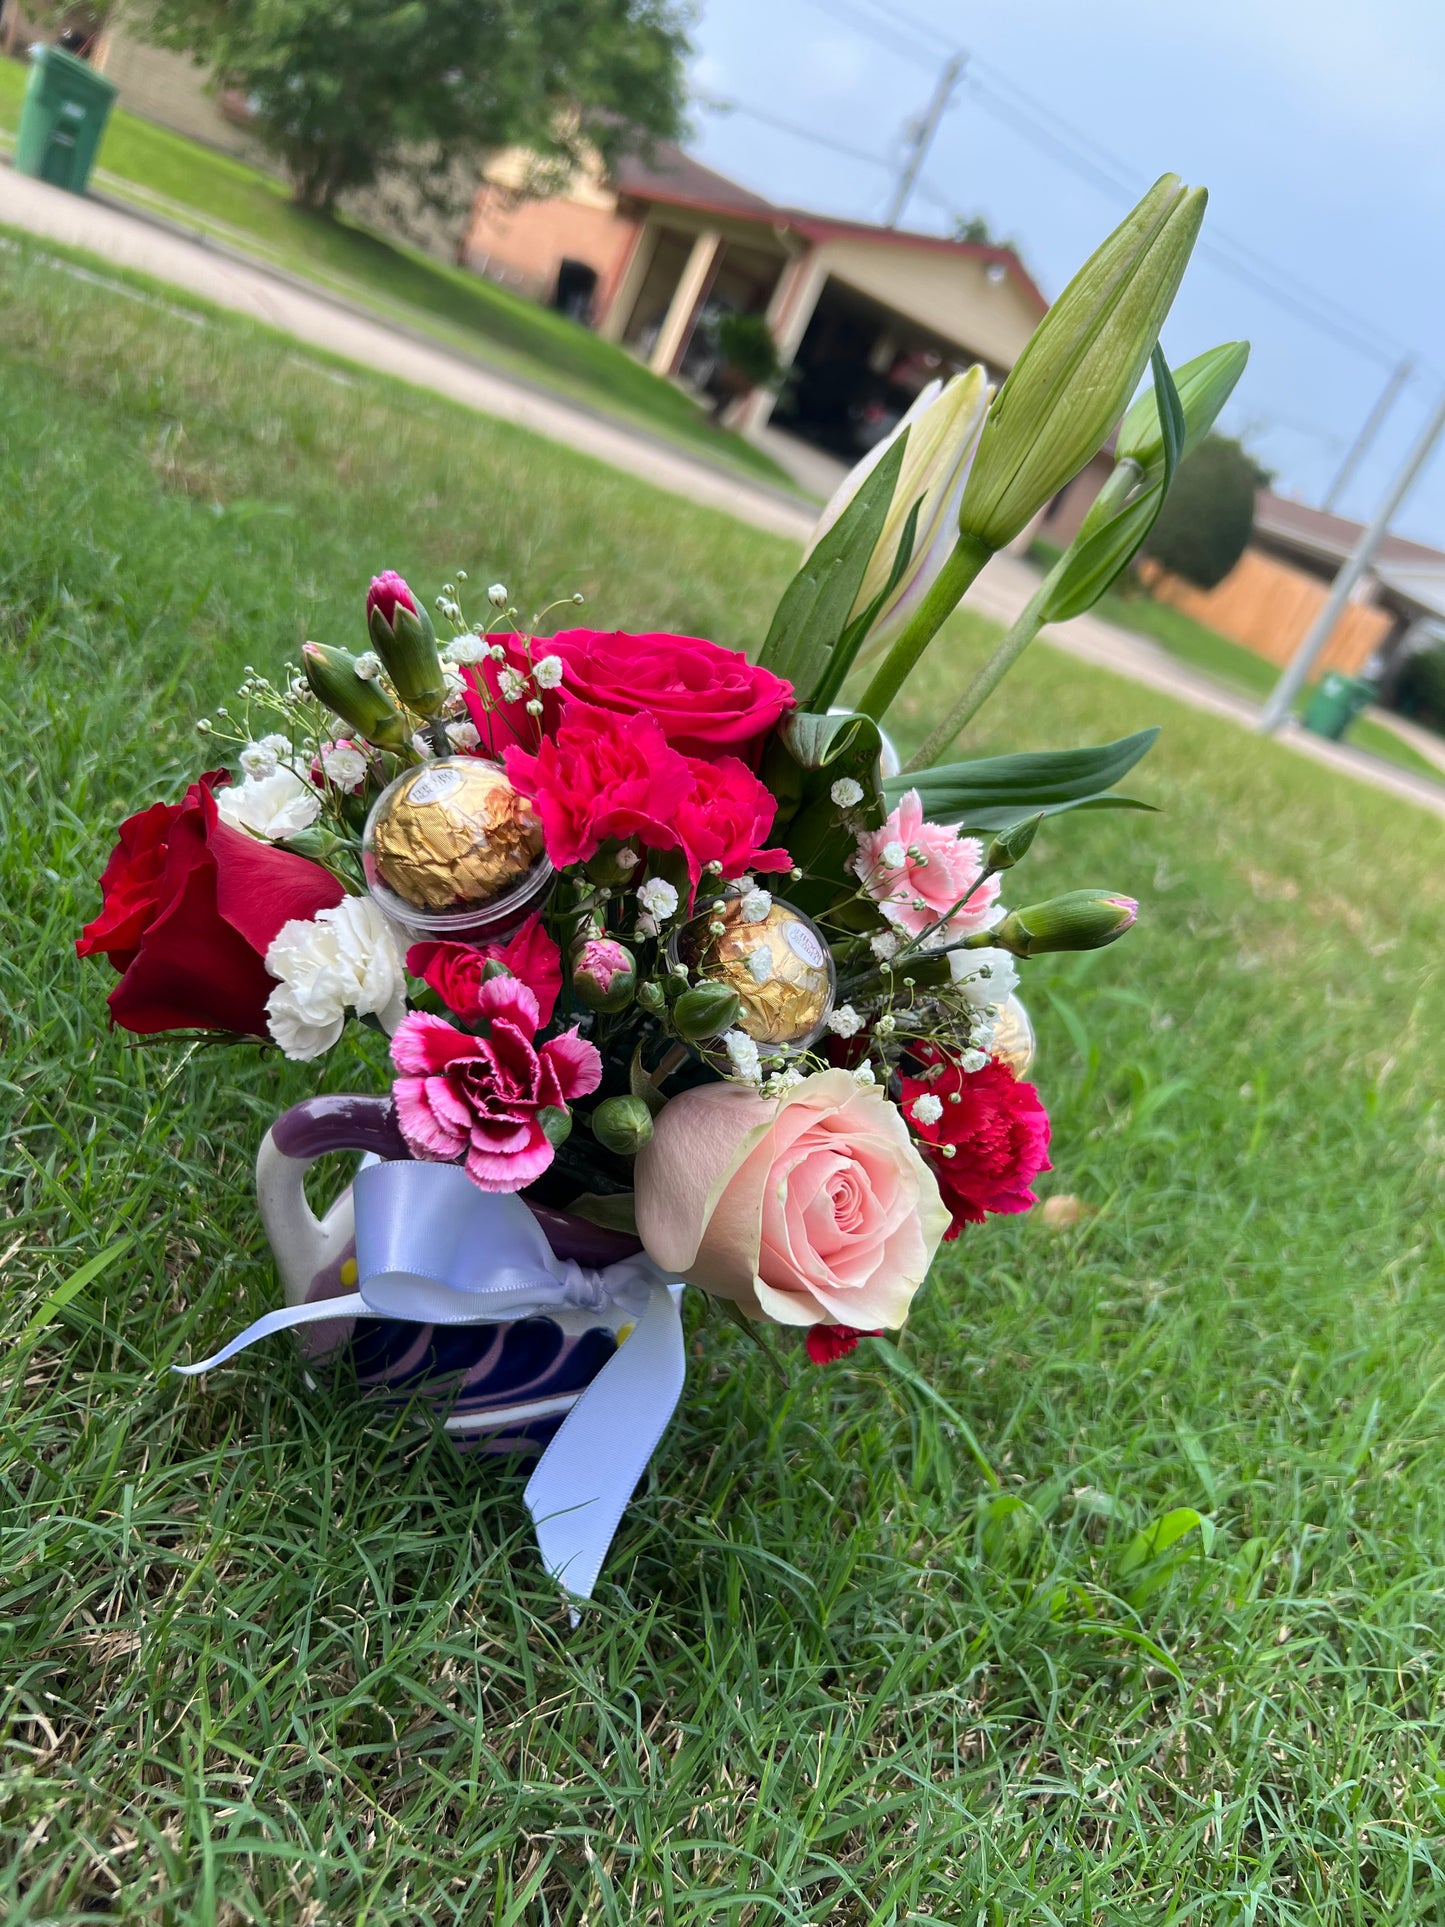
(431, 1249)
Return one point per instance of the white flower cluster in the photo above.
(347, 958)
(985, 979)
(262, 759)
(743, 1056)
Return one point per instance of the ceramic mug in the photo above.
(503, 1387)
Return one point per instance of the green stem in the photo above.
(1026, 626)
(964, 564)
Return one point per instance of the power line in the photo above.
(801, 133)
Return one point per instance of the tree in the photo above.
(1208, 514)
(345, 91)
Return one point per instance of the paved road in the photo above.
(230, 281)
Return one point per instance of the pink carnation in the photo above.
(481, 1097)
(918, 871)
(455, 971)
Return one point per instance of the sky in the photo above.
(1315, 124)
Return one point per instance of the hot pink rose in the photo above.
(918, 871)
(809, 1209)
(602, 776)
(705, 699)
(481, 1097)
(996, 1130)
(454, 970)
(726, 818)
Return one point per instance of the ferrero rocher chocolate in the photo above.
(1013, 1037)
(779, 966)
(452, 834)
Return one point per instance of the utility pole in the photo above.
(922, 131)
(1282, 697)
(1398, 377)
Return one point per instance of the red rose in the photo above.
(190, 907)
(704, 698)
(602, 776)
(481, 1097)
(999, 1132)
(725, 819)
(454, 970)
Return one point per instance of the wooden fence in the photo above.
(1268, 607)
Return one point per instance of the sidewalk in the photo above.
(228, 280)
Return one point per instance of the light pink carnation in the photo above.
(914, 894)
(480, 1097)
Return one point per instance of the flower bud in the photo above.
(402, 635)
(1204, 386)
(363, 704)
(652, 998)
(1010, 845)
(613, 865)
(604, 974)
(1075, 377)
(1079, 920)
(705, 1012)
(622, 1124)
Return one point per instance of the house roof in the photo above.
(1330, 538)
(675, 178)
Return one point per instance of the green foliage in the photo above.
(932, 1635)
(745, 345)
(1420, 690)
(416, 90)
(1206, 522)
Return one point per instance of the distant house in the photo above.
(863, 315)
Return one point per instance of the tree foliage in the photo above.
(345, 91)
(1208, 514)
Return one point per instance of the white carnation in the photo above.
(346, 958)
(273, 807)
(986, 978)
(547, 674)
(743, 1056)
(658, 897)
(845, 1021)
(343, 766)
(845, 792)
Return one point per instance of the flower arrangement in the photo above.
(684, 980)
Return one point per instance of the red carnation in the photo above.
(826, 1344)
(454, 970)
(602, 776)
(190, 909)
(726, 818)
(997, 1127)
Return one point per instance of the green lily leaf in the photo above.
(813, 615)
(1010, 787)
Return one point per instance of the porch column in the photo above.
(622, 296)
(789, 312)
(687, 298)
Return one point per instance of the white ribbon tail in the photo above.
(353, 1305)
(586, 1476)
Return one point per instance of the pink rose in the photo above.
(482, 1097)
(809, 1209)
(602, 776)
(918, 871)
(705, 699)
(726, 818)
(455, 970)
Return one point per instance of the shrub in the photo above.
(1208, 514)
(1420, 691)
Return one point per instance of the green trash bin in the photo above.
(66, 107)
(1336, 702)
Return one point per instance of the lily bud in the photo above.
(1204, 384)
(943, 427)
(604, 974)
(360, 701)
(1079, 920)
(1012, 844)
(1075, 377)
(705, 1012)
(402, 635)
(622, 1124)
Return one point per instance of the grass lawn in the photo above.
(1230, 663)
(250, 210)
(273, 1655)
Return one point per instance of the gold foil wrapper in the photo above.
(779, 967)
(1013, 1037)
(454, 833)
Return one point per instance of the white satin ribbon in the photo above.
(431, 1249)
